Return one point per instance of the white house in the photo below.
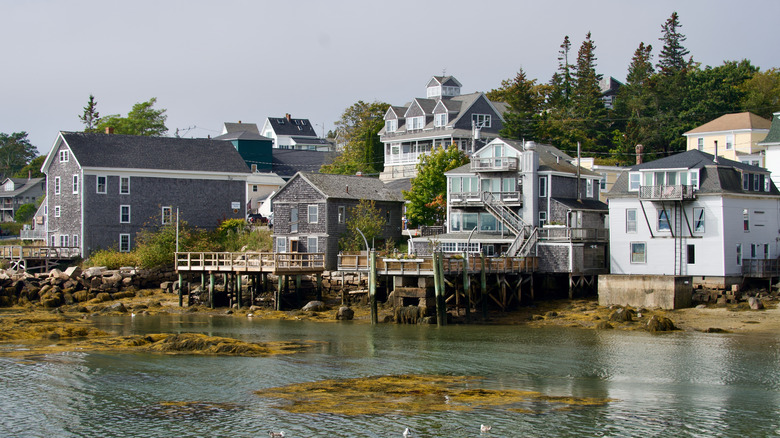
(289, 133)
(693, 215)
(771, 143)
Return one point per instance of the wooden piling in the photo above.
(238, 289)
(211, 290)
(441, 304)
(372, 287)
(181, 296)
(319, 287)
(483, 284)
(467, 285)
(278, 297)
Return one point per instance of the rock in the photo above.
(103, 296)
(715, 330)
(82, 295)
(622, 315)
(660, 324)
(95, 271)
(167, 287)
(537, 318)
(73, 272)
(551, 314)
(755, 303)
(701, 306)
(228, 312)
(116, 307)
(604, 325)
(314, 306)
(345, 313)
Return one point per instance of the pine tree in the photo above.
(672, 58)
(587, 107)
(525, 100)
(562, 80)
(641, 67)
(90, 118)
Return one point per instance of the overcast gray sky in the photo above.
(209, 62)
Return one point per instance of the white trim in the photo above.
(166, 173)
(129, 216)
(128, 185)
(129, 247)
(76, 184)
(105, 184)
(170, 214)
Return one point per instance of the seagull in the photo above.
(483, 428)
(276, 434)
(407, 433)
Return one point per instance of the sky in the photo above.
(209, 62)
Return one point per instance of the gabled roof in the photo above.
(310, 141)
(694, 159)
(426, 105)
(299, 127)
(159, 153)
(350, 187)
(448, 81)
(732, 122)
(287, 162)
(773, 138)
(242, 135)
(229, 127)
(399, 111)
(21, 185)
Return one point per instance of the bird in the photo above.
(483, 428)
(407, 433)
(276, 434)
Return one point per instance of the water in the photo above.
(679, 384)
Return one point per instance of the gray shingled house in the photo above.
(104, 188)
(16, 192)
(311, 211)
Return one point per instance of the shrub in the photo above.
(112, 259)
(24, 213)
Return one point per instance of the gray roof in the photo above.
(283, 126)
(351, 187)
(695, 159)
(288, 162)
(161, 153)
(398, 185)
(241, 127)
(773, 137)
(583, 204)
(310, 140)
(21, 185)
(241, 135)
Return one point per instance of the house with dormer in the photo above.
(102, 189)
(736, 137)
(443, 117)
(290, 133)
(518, 199)
(693, 214)
(16, 192)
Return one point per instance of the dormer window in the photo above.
(391, 125)
(415, 122)
(440, 120)
(481, 120)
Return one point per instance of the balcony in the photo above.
(465, 199)
(494, 164)
(667, 193)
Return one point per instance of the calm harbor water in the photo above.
(678, 384)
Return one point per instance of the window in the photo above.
(56, 185)
(281, 244)
(603, 183)
(64, 240)
(588, 188)
(767, 183)
(415, 122)
(294, 220)
(56, 211)
(745, 181)
(691, 254)
(698, 219)
(739, 254)
(481, 120)
(124, 243)
(455, 221)
(700, 143)
(488, 222)
(440, 119)
(253, 168)
(313, 214)
(766, 251)
(633, 181)
(631, 220)
(75, 184)
(254, 187)
(124, 214)
(753, 250)
(638, 252)
(542, 186)
(167, 215)
(542, 218)
(663, 220)
(694, 174)
(52, 240)
(76, 240)
(470, 221)
(342, 217)
(746, 220)
(124, 185)
(448, 246)
(64, 156)
(729, 142)
(391, 125)
(100, 184)
(757, 182)
(311, 244)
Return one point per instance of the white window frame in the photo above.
(342, 214)
(700, 143)
(767, 183)
(417, 122)
(53, 240)
(668, 222)
(481, 120)
(391, 125)
(294, 221)
(56, 211)
(440, 119)
(75, 184)
(56, 185)
(313, 218)
(588, 188)
(281, 244)
(694, 178)
(309, 245)
(122, 179)
(122, 214)
(729, 142)
(542, 186)
(739, 254)
(76, 240)
(603, 182)
(746, 220)
(745, 181)
(699, 220)
(631, 224)
(124, 242)
(634, 181)
(64, 240)
(64, 156)
(97, 184)
(542, 218)
(643, 253)
(166, 213)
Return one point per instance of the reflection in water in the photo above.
(682, 384)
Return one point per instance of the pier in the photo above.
(30, 258)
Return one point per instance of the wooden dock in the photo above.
(29, 258)
(251, 262)
(423, 265)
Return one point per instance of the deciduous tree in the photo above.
(358, 128)
(367, 218)
(15, 152)
(143, 119)
(431, 183)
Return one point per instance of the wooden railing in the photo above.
(494, 164)
(38, 252)
(574, 234)
(761, 268)
(423, 265)
(250, 262)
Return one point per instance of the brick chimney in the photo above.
(639, 151)
(109, 130)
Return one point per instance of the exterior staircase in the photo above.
(526, 234)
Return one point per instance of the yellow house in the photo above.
(736, 135)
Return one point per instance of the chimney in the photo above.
(359, 173)
(109, 130)
(29, 174)
(239, 122)
(347, 188)
(715, 159)
(289, 117)
(639, 151)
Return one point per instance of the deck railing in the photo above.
(493, 164)
(574, 234)
(761, 268)
(423, 265)
(32, 234)
(249, 261)
(11, 252)
(666, 192)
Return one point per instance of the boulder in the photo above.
(660, 324)
(95, 271)
(103, 296)
(314, 306)
(82, 295)
(622, 315)
(345, 313)
(116, 307)
(755, 303)
(604, 325)
(73, 272)
(167, 287)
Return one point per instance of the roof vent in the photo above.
(529, 145)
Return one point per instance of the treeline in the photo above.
(656, 105)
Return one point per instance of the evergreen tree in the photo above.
(524, 98)
(586, 99)
(359, 128)
(561, 82)
(672, 61)
(91, 117)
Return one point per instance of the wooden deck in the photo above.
(423, 265)
(251, 262)
(37, 257)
